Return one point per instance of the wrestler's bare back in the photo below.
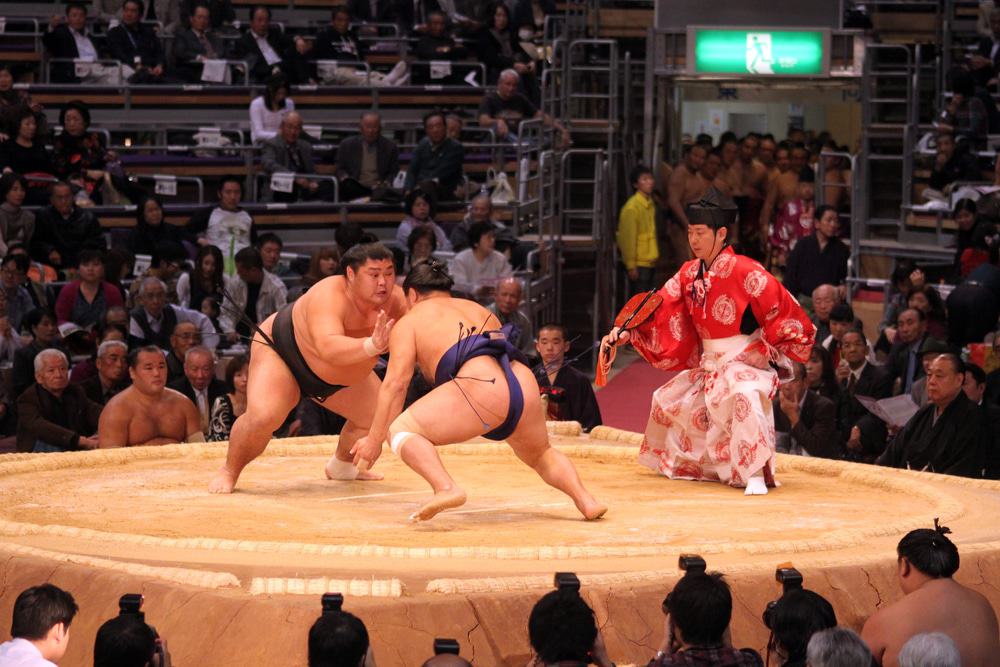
(435, 324)
(145, 420)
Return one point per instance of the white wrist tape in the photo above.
(370, 349)
(341, 470)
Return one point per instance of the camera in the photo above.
(443, 645)
(692, 564)
(332, 603)
(790, 580)
(130, 604)
(567, 581)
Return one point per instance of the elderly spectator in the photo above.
(289, 153)
(40, 627)
(930, 649)
(480, 210)
(41, 323)
(199, 383)
(53, 415)
(253, 296)
(267, 110)
(932, 602)
(820, 258)
(421, 244)
(62, 229)
(952, 163)
(420, 208)
(184, 337)
(205, 280)
(806, 421)
(84, 300)
(339, 41)
(147, 413)
(166, 266)
(499, 48)
(437, 161)
(69, 40)
(112, 375)
(506, 304)
(477, 270)
(856, 376)
(837, 647)
(569, 394)
(80, 156)
(927, 300)
(25, 153)
(264, 45)
(928, 352)
(949, 435)
(220, 12)
(824, 298)
(152, 322)
(17, 296)
(233, 402)
(137, 46)
(227, 225)
(16, 224)
(366, 160)
(904, 362)
(84, 369)
(151, 228)
(167, 12)
(437, 42)
(196, 44)
(504, 109)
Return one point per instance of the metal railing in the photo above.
(80, 65)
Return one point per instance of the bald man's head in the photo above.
(447, 660)
(508, 296)
(291, 126)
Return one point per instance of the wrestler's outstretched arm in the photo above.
(347, 350)
(391, 394)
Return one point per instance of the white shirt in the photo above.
(22, 653)
(229, 231)
(270, 55)
(84, 47)
(264, 123)
(470, 274)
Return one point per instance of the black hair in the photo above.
(257, 8)
(269, 237)
(168, 251)
(138, 3)
(562, 627)
(807, 175)
(930, 551)
(80, 107)
(902, 272)
(703, 140)
(977, 373)
(727, 137)
(87, 255)
(38, 609)
(249, 258)
(21, 262)
(701, 607)
(962, 82)
(124, 641)
(421, 232)
(966, 205)
(364, 252)
(637, 171)
(20, 114)
(233, 367)
(418, 193)
(337, 639)
(7, 182)
(133, 354)
(35, 316)
(339, 9)
(430, 114)
(492, 9)
(796, 616)
(821, 210)
(921, 315)
(348, 235)
(480, 229)
(428, 275)
(140, 211)
(231, 178)
(274, 83)
(842, 312)
(76, 5)
(556, 326)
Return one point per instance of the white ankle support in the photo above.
(397, 441)
(342, 470)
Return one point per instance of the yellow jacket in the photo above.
(637, 232)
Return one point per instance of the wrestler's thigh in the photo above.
(445, 415)
(530, 438)
(272, 391)
(357, 402)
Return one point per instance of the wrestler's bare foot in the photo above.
(591, 509)
(756, 486)
(442, 500)
(223, 482)
(337, 470)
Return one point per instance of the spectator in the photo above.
(196, 44)
(421, 244)
(931, 649)
(927, 300)
(287, 152)
(569, 392)
(267, 110)
(37, 275)
(903, 364)
(112, 375)
(199, 383)
(323, 264)
(505, 306)
(529, 15)
(965, 216)
(904, 276)
(952, 163)
(806, 420)
(84, 369)
(39, 627)
(820, 374)
(80, 156)
(62, 229)
(205, 280)
(232, 403)
(420, 207)
(437, 42)
(220, 12)
(637, 232)
(253, 295)
(504, 110)
(982, 249)
(10, 340)
(339, 42)
(480, 210)
(25, 153)
(932, 602)
(69, 40)
(137, 47)
(84, 300)
(793, 619)
(366, 160)
(965, 116)
(12, 101)
(561, 628)
(165, 266)
(147, 413)
(499, 49)
(16, 224)
(437, 162)
(929, 350)
(227, 226)
(454, 125)
(264, 45)
(41, 323)
(820, 258)
(975, 390)
(153, 320)
(126, 641)
(165, 12)
(837, 647)
(270, 246)
(339, 638)
(151, 228)
(698, 613)
(53, 415)
(841, 321)
(19, 303)
(949, 435)
(477, 270)
(796, 217)
(856, 376)
(184, 337)
(824, 298)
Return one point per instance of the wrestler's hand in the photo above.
(383, 327)
(367, 449)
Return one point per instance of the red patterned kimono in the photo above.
(713, 420)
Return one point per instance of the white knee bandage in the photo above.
(396, 445)
(341, 470)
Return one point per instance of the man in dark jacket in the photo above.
(808, 419)
(53, 415)
(69, 40)
(366, 160)
(437, 162)
(112, 372)
(62, 229)
(199, 382)
(264, 46)
(136, 45)
(194, 45)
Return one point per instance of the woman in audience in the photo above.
(41, 323)
(25, 154)
(85, 300)
(965, 216)
(151, 229)
(529, 18)
(927, 300)
(267, 110)
(232, 404)
(477, 270)
(819, 373)
(420, 208)
(499, 49)
(80, 156)
(421, 244)
(205, 280)
(323, 264)
(12, 101)
(16, 224)
(118, 265)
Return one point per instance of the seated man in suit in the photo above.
(69, 38)
(437, 161)
(199, 382)
(975, 389)
(263, 46)
(288, 153)
(366, 160)
(194, 45)
(807, 420)
(904, 355)
(53, 415)
(137, 46)
(184, 336)
(112, 375)
(865, 433)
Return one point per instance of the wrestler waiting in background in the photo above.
(724, 319)
(322, 346)
(480, 383)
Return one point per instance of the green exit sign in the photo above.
(758, 52)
